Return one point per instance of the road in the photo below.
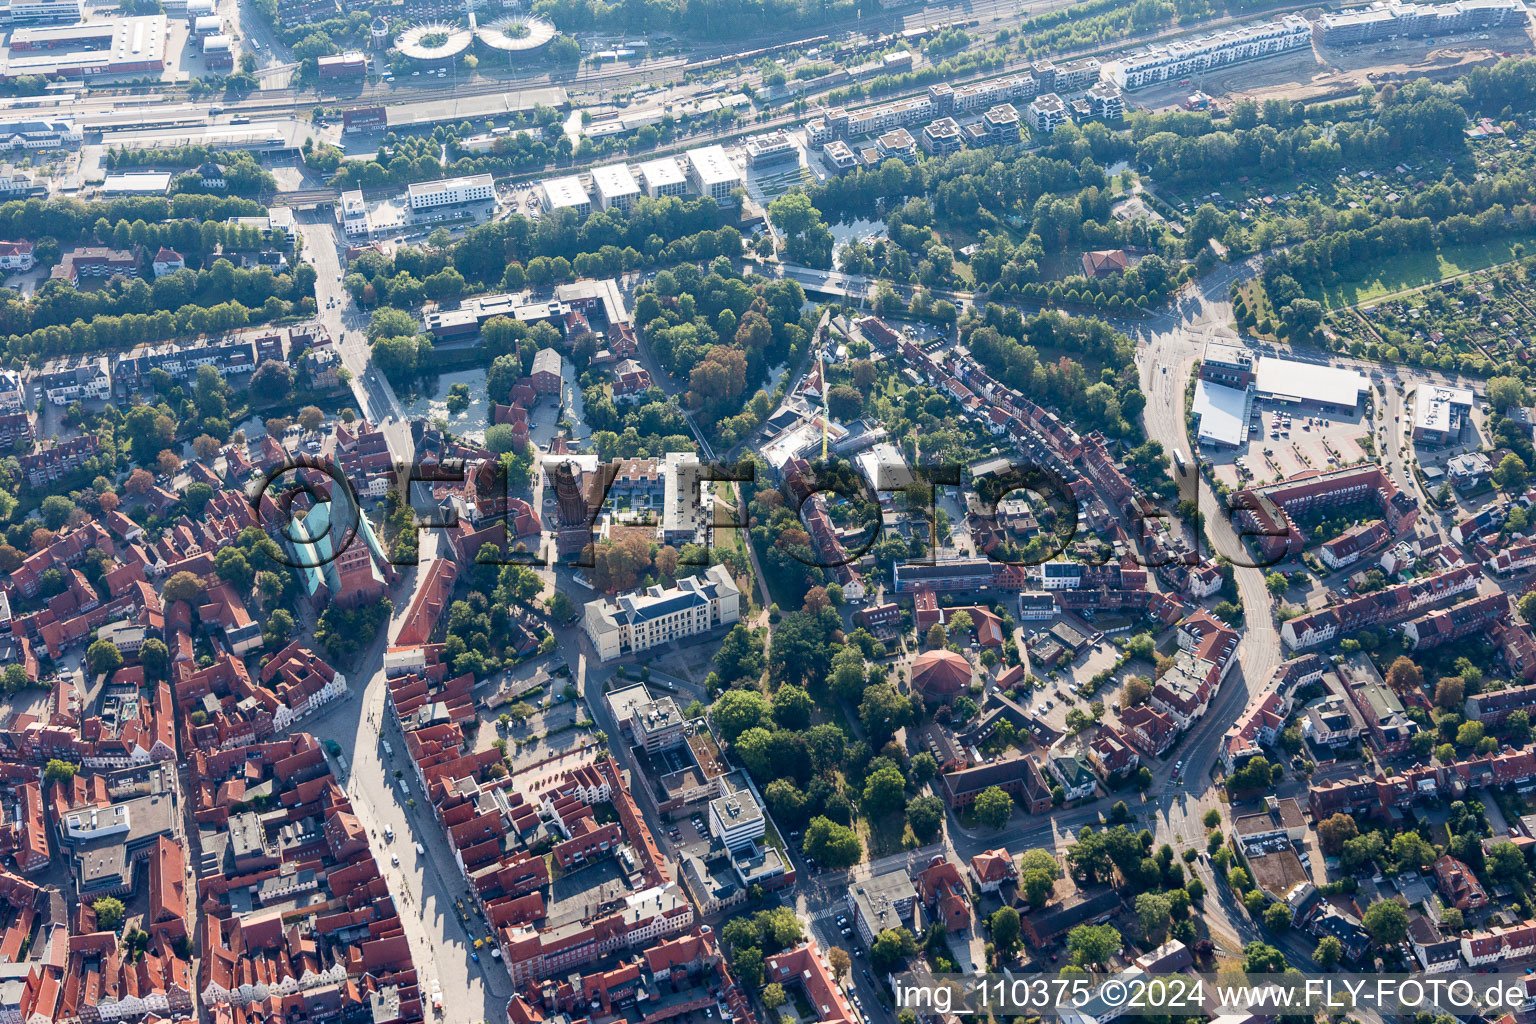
(376, 399)
(425, 886)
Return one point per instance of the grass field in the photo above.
(1415, 270)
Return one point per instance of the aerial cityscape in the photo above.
(705, 511)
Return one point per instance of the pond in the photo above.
(471, 422)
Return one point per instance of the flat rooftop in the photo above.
(426, 188)
(712, 165)
(1440, 408)
(1291, 381)
(564, 192)
(471, 108)
(614, 181)
(663, 171)
(1223, 413)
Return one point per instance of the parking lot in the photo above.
(1284, 440)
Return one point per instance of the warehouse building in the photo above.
(122, 46)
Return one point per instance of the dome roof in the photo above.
(940, 674)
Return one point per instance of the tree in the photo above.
(1038, 887)
(1277, 917)
(773, 996)
(1212, 818)
(1511, 473)
(56, 510)
(271, 382)
(1387, 922)
(1504, 392)
(836, 846)
(310, 418)
(103, 657)
(891, 949)
(737, 711)
(1262, 958)
(205, 446)
(1153, 910)
(839, 961)
(1090, 944)
(1449, 692)
(279, 628)
(182, 586)
(155, 657)
(884, 789)
(1135, 692)
(792, 707)
(1329, 951)
(59, 771)
(1040, 860)
(882, 711)
(1505, 862)
(993, 807)
(1404, 676)
(925, 816)
(14, 678)
(1004, 925)
(1411, 851)
(109, 913)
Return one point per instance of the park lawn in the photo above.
(1409, 271)
(1257, 298)
(884, 834)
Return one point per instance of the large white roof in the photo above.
(614, 181)
(1293, 381)
(1222, 413)
(712, 165)
(662, 171)
(564, 192)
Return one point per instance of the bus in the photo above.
(1179, 463)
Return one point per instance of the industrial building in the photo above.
(219, 51)
(121, 46)
(616, 187)
(137, 183)
(712, 173)
(430, 195)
